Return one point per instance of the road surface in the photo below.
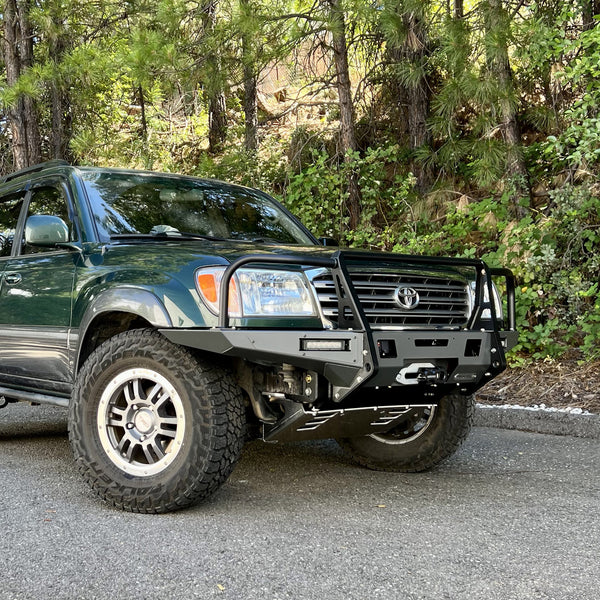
(511, 516)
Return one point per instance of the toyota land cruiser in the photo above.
(177, 317)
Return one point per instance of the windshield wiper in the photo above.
(179, 235)
(258, 240)
(199, 236)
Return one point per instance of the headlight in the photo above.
(487, 313)
(257, 292)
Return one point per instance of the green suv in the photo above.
(178, 317)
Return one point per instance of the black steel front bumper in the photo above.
(434, 359)
(464, 359)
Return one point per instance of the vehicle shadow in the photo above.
(21, 421)
(295, 475)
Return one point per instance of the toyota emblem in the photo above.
(407, 298)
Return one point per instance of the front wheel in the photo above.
(153, 429)
(425, 437)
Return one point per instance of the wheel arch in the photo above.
(115, 311)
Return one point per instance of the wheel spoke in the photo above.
(157, 449)
(129, 451)
(161, 400)
(166, 432)
(153, 392)
(133, 391)
(124, 440)
(151, 459)
(128, 392)
(116, 416)
(126, 448)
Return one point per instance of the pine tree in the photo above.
(348, 144)
(248, 27)
(22, 112)
(404, 23)
(497, 31)
(217, 109)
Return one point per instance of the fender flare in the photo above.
(127, 299)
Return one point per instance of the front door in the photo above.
(35, 302)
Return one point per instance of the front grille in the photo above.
(443, 299)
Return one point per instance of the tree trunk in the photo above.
(418, 109)
(416, 97)
(458, 10)
(18, 56)
(250, 81)
(250, 110)
(347, 125)
(589, 10)
(58, 126)
(217, 122)
(217, 109)
(496, 20)
(143, 120)
(62, 125)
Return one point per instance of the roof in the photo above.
(35, 169)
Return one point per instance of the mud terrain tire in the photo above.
(153, 428)
(423, 440)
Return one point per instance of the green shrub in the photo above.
(318, 194)
(555, 256)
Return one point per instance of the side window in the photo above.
(10, 208)
(48, 200)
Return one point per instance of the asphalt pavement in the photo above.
(512, 515)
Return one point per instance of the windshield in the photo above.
(158, 205)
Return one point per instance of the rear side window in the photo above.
(10, 208)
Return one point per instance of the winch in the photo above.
(421, 373)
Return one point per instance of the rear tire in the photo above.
(154, 429)
(425, 438)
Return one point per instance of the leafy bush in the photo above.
(554, 252)
(319, 193)
(555, 256)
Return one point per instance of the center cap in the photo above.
(144, 420)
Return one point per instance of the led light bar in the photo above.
(331, 345)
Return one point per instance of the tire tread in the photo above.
(425, 452)
(218, 420)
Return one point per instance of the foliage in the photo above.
(554, 255)
(577, 146)
(131, 84)
(319, 192)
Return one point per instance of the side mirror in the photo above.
(327, 241)
(45, 230)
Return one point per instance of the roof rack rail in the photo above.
(58, 162)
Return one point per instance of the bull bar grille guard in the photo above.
(347, 296)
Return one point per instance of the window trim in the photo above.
(61, 183)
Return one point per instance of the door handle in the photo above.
(12, 278)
